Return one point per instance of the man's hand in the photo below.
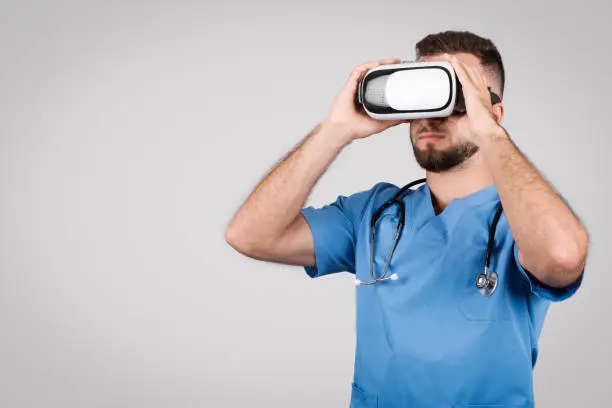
(552, 242)
(347, 114)
(482, 119)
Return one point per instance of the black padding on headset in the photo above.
(460, 100)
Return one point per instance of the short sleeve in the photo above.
(334, 227)
(541, 290)
(538, 288)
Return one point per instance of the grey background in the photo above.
(131, 132)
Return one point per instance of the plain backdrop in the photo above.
(131, 132)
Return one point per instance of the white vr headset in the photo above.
(413, 90)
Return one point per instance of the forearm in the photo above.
(278, 199)
(551, 240)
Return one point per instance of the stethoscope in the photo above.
(486, 283)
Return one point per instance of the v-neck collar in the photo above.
(425, 211)
(478, 197)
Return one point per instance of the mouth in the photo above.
(431, 136)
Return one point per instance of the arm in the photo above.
(269, 225)
(551, 240)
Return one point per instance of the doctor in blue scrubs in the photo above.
(449, 314)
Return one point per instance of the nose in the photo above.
(433, 124)
(436, 121)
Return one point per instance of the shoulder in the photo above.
(384, 191)
(380, 193)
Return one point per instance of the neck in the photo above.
(469, 177)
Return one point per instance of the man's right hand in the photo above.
(269, 226)
(348, 114)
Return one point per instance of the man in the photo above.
(430, 338)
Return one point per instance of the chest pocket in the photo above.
(473, 305)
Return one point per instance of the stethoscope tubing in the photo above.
(486, 282)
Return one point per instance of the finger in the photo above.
(480, 83)
(471, 73)
(477, 77)
(360, 69)
(460, 71)
(464, 77)
(389, 61)
(477, 70)
(390, 123)
(373, 64)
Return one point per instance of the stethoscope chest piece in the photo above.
(487, 283)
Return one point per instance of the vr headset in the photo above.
(413, 90)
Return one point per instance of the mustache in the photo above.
(434, 129)
(436, 126)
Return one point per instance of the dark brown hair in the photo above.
(465, 41)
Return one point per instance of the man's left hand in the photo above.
(479, 123)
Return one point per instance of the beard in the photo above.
(438, 161)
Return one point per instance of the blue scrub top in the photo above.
(430, 339)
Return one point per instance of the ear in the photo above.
(498, 111)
